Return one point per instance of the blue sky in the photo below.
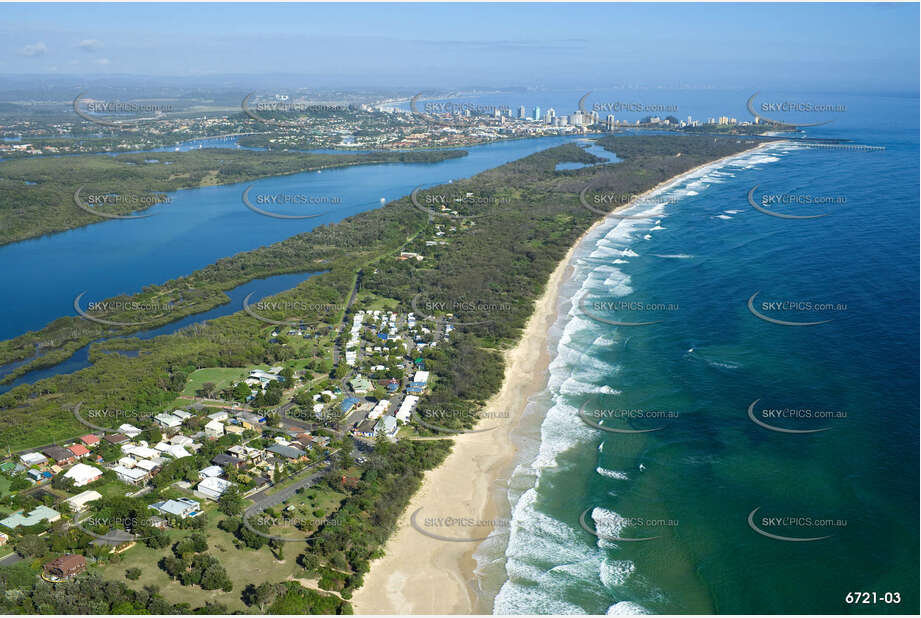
(847, 47)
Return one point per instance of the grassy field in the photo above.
(221, 376)
(244, 566)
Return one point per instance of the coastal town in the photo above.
(278, 121)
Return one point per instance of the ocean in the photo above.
(715, 461)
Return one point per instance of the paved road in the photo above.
(10, 560)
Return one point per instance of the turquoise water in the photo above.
(700, 252)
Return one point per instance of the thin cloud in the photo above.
(33, 50)
(102, 61)
(90, 45)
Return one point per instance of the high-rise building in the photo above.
(522, 113)
(549, 116)
(609, 122)
(577, 118)
(536, 113)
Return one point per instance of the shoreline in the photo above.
(422, 575)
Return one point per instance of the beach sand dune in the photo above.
(423, 575)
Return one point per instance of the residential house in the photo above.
(213, 488)
(37, 515)
(4, 539)
(79, 502)
(360, 384)
(117, 438)
(183, 508)
(132, 476)
(59, 455)
(219, 416)
(89, 440)
(83, 474)
(386, 426)
(67, 565)
(182, 414)
(234, 429)
(149, 465)
(287, 452)
(33, 459)
(129, 430)
(168, 421)
(214, 429)
(366, 428)
(210, 471)
(78, 450)
(222, 460)
(140, 451)
(348, 404)
(406, 408)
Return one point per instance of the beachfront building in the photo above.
(83, 474)
(406, 408)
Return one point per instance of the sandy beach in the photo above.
(420, 574)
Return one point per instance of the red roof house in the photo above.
(89, 439)
(78, 450)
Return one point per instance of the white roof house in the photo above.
(421, 377)
(130, 475)
(177, 452)
(182, 414)
(168, 421)
(210, 471)
(32, 459)
(213, 487)
(147, 465)
(128, 462)
(406, 408)
(83, 474)
(140, 452)
(379, 410)
(181, 440)
(214, 429)
(181, 507)
(79, 502)
(219, 416)
(129, 430)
